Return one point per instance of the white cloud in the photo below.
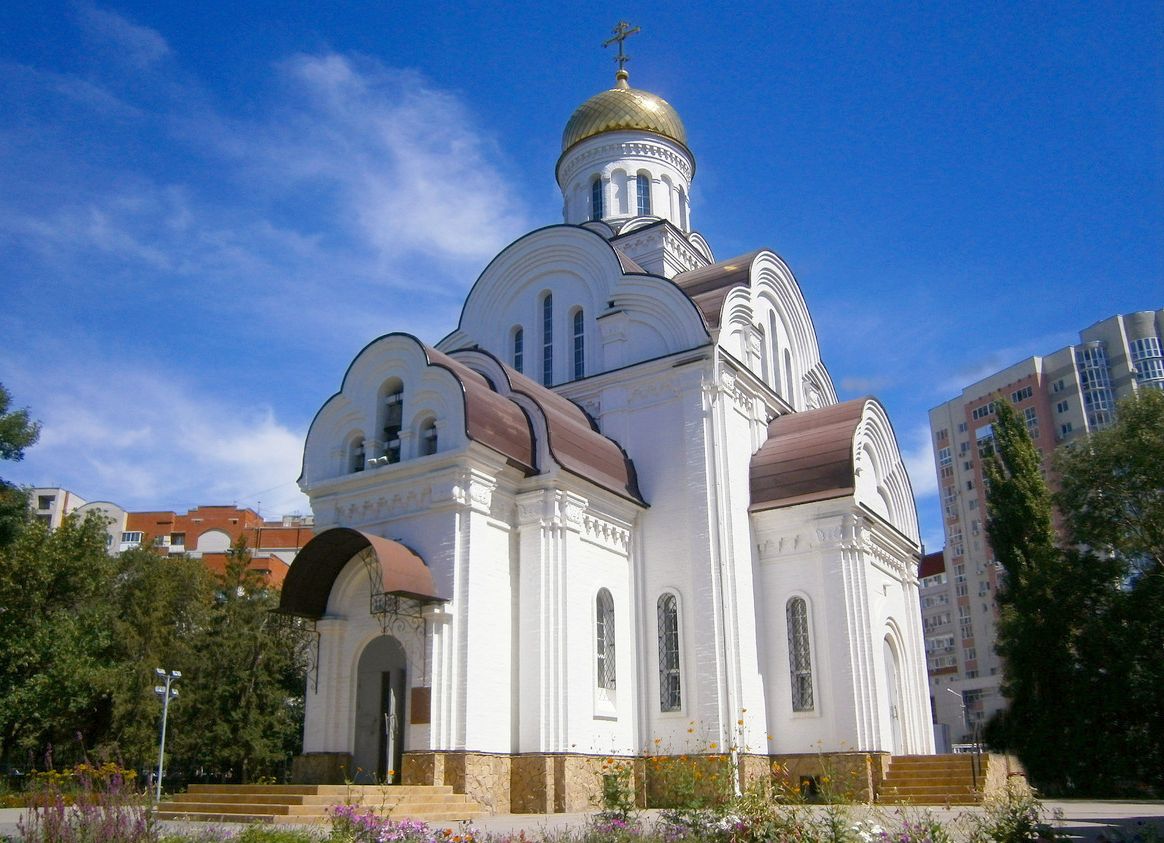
(918, 455)
(863, 386)
(408, 165)
(138, 45)
(996, 361)
(146, 440)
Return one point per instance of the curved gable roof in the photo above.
(490, 419)
(708, 286)
(808, 457)
(310, 579)
(574, 441)
(604, 270)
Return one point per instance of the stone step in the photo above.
(312, 803)
(305, 819)
(340, 790)
(931, 780)
(948, 799)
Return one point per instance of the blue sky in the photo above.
(207, 209)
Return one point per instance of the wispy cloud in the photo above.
(996, 361)
(145, 439)
(352, 199)
(404, 163)
(918, 455)
(138, 45)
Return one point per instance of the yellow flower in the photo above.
(739, 722)
(713, 744)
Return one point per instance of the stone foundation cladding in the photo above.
(322, 768)
(545, 783)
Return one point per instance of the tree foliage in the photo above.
(55, 629)
(1080, 627)
(17, 432)
(83, 631)
(160, 608)
(242, 710)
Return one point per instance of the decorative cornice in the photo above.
(612, 151)
(605, 533)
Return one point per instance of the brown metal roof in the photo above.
(710, 285)
(932, 563)
(808, 457)
(575, 443)
(490, 418)
(627, 263)
(313, 573)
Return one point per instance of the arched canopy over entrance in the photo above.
(314, 571)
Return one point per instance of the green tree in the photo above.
(1032, 628)
(1112, 485)
(241, 712)
(1111, 497)
(1080, 627)
(17, 432)
(160, 607)
(55, 629)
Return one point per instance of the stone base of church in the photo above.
(322, 768)
(543, 783)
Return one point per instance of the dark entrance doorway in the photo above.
(378, 748)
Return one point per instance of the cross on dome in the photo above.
(621, 32)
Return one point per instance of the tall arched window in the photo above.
(548, 340)
(393, 420)
(604, 639)
(799, 655)
(356, 458)
(519, 350)
(428, 437)
(597, 207)
(643, 189)
(670, 694)
(579, 345)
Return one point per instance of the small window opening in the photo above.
(643, 185)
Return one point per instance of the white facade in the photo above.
(770, 621)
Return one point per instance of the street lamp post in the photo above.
(166, 692)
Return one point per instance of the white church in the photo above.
(617, 511)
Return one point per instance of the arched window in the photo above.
(393, 419)
(579, 345)
(428, 437)
(670, 695)
(597, 207)
(548, 340)
(356, 458)
(764, 352)
(519, 350)
(799, 655)
(604, 639)
(643, 185)
(774, 347)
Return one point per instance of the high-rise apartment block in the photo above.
(1062, 396)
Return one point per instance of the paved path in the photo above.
(1083, 820)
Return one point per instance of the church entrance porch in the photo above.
(378, 742)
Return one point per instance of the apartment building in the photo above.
(205, 532)
(1061, 396)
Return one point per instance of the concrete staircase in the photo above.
(932, 780)
(309, 803)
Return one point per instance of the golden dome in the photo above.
(622, 108)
